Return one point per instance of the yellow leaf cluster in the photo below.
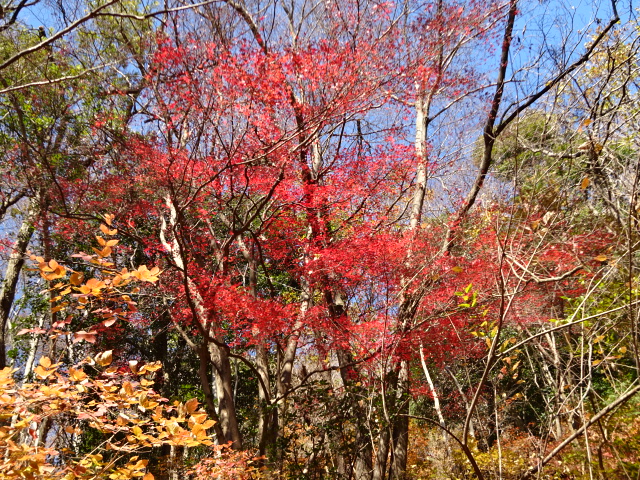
(66, 398)
(145, 275)
(118, 404)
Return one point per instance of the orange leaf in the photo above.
(192, 405)
(128, 388)
(208, 424)
(43, 372)
(76, 278)
(585, 183)
(107, 231)
(105, 252)
(77, 375)
(199, 418)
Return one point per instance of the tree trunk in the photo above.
(268, 421)
(408, 304)
(203, 373)
(226, 404)
(401, 425)
(12, 274)
(33, 349)
(436, 402)
(268, 416)
(363, 462)
(380, 467)
(284, 378)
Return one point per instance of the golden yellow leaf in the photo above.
(601, 258)
(199, 418)
(148, 476)
(105, 252)
(103, 359)
(77, 375)
(208, 424)
(196, 429)
(93, 286)
(107, 231)
(146, 403)
(128, 388)
(57, 271)
(43, 372)
(144, 274)
(150, 367)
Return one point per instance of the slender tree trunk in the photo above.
(203, 373)
(436, 401)
(226, 404)
(12, 274)
(33, 350)
(492, 427)
(268, 420)
(309, 178)
(380, 466)
(214, 351)
(268, 417)
(420, 187)
(408, 303)
(363, 462)
(401, 425)
(283, 382)
(363, 469)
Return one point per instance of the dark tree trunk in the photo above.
(12, 275)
